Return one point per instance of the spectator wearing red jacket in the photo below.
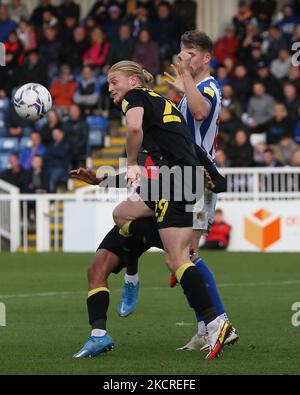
(63, 88)
(226, 47)
(218, 237)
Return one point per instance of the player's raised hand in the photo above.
(175, 79)
(133, 176)
(86, 175)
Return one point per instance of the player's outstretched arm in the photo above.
(86, 175)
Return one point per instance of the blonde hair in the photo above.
(130, 68)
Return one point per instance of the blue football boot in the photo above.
(128, 299)
(94, 346)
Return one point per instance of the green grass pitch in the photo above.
(44, 295)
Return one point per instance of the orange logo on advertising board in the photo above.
(262, 229)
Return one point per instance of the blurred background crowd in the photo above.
(260, 116)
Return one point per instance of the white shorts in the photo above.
(204, 211)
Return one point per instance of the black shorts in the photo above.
(113, 242)
(170, 210)
(171, 214)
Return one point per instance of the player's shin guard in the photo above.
(97, 304)
(196, 292)
(129, 247)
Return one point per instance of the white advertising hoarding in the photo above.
(256, 226)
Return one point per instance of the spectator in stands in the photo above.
(50, 50)
(112, 24)
(221, 159)
(37, 182)
(67, 31)
(218, 237)
(165, 31)
(229, 101)
(288, 23)
(295, 161)
(68, 9)
(77, 133)
(14, 50)
(57, 160)
(26, 35)
(17, 11)
(63, 89)
(243, 16)
(53, 122)
(280, 124)
(222, 76)
(269, 159)
(34, 69)
(241, 85)
(294, 77)
(16, 175)
(99, 11)
(260, 109)
(75, 49)
(280, 67)
(253, 61)
(139, 20)
(259, 150)
(284, 150)
(251, 41)
(28, 153)
(296, 35)
(121, 48)
(273, 86)
(88, 90)
(272, 43)
(297, 128)
(240, 151)
(291, 101)
(37, 14)
(263, 11)
(229, 124)
(7, 25)
(49, 20)
(15, 125)
(146, 52)
(185, 11)
(226, 46)
(97, 53)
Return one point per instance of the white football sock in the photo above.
(131, 279)
(223, 316)
(98, 332)
(201, 328)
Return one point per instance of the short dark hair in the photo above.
(197, 39)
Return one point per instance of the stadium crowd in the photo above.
(260, 117)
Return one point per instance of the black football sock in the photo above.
(130, 249)
(196, 292)
(97, 304)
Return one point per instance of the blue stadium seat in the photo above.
(95, 138)
(2, 125)
(96, 122)
(9, 144)
(25, 143)
(4, 161)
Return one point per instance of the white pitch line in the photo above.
(221, 285)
